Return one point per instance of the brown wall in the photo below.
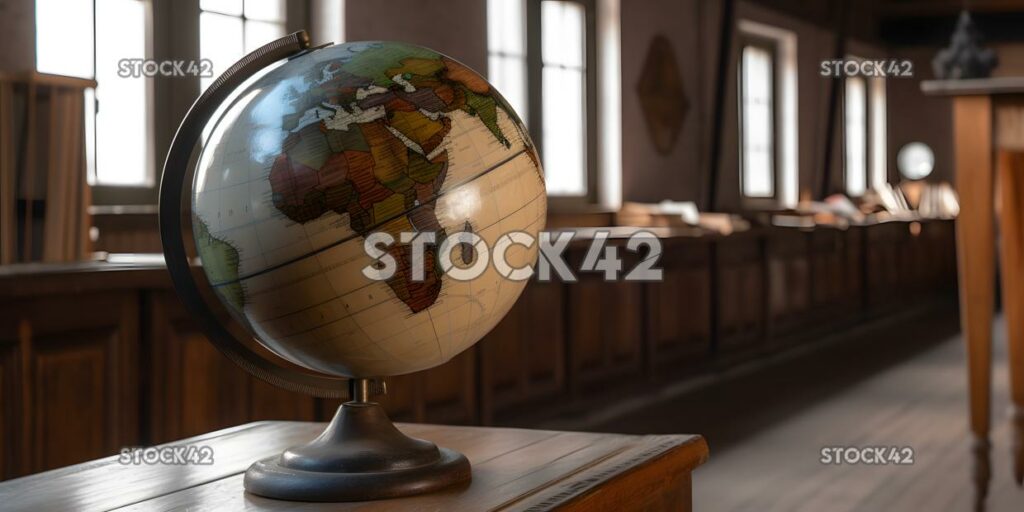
(647, 175)
(457, 28)
(916, 117)
(1011, 59)
(814, 44)
(17, 24)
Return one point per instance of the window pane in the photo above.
(563, 92)
(505, 26)
(508, 74)
(506, 46)
(64, 37)
(564, 142)
(328, 21)
(879, 149)
(266, 10)
(232, 7)
(856, 135)
(758, 147)
(562, 33)
(89, 109)
(220, 40)
(259, 33)
(122, 122)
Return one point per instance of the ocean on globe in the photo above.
(337, 144)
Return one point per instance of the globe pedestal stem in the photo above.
(359, 456)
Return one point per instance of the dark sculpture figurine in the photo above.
(965, 58)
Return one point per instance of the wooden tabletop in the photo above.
(513, 469)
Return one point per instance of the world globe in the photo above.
(318, 154)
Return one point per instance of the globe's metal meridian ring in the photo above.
(172, 186)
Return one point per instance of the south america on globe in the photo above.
(324, 150)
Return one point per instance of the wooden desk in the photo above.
(988, 117)
(513, 469)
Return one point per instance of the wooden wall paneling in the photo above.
(404, 400)
(788, 281)
(269, 402)
(831, 296)
(605, 330)
(741, 293)
(523, 359)
(78, 376)
(127, 232)
(887, 267)
(855, 269)
(193, 388)
(8, 404)
(678, 312)
(449, 391)
(543, 320)
(909, 258)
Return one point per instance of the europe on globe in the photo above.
(335, 145)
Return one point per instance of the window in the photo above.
(563, 96)
(855, 114)
(64, 32)
(506, 51)
(757, 120)
(864, 128)
(228, 29)
(551, 86)
(879, 149)
(118, 132)
(767, 104)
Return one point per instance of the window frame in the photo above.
(245, 20)
(176, 38)
(846, 137)
(535, 99)
(770, 45)
(134, 193)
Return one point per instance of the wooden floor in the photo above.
(766, 429)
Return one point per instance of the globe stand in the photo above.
(360, 456)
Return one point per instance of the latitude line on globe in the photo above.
(378, 224)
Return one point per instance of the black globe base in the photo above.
(360, 456)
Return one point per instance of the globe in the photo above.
(317, 157)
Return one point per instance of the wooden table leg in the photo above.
(1010, 166)
(975, 244)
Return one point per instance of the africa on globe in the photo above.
(331, 147)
